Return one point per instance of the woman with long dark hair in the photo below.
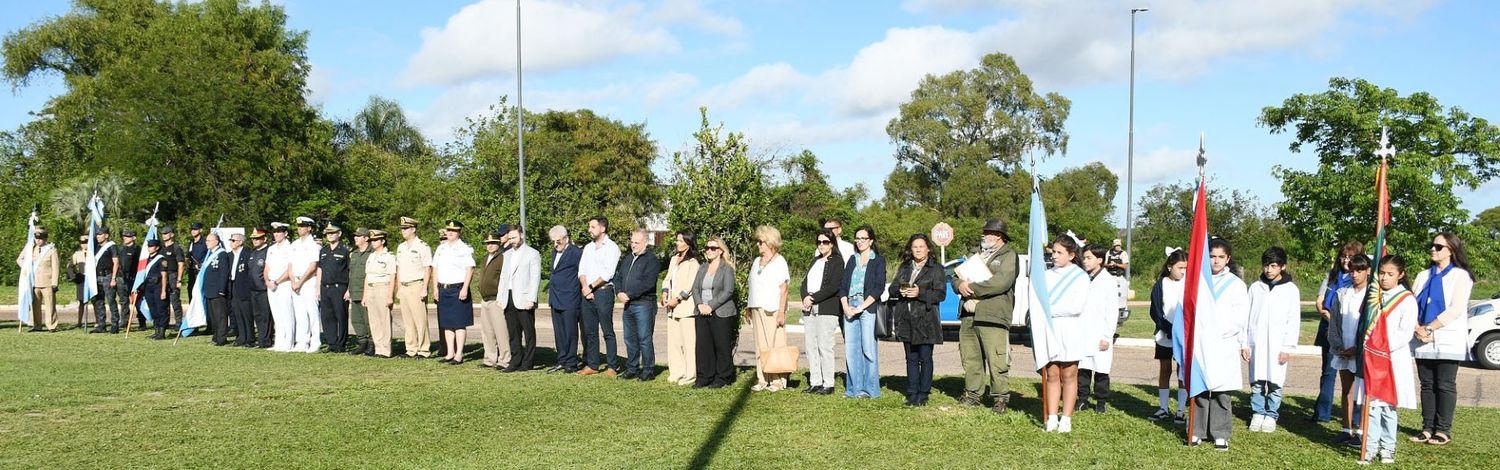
(864, 278)
(1166, 299)
(677, 297)
(917, 289)
(1058, 357)
(1337, 278)
(1442, 336)
(820, 312)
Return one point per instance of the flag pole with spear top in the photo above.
(141, 266)
(1373, 303)
(1195, 264)
(24, 285)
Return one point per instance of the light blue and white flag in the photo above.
(29, 260)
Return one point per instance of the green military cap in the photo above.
(361, 232)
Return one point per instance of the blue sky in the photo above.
(828, 75)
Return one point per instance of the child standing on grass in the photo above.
(1166, 301)
(1275, 315)
(1388, 350)
(1101, 312)
(1343, 331)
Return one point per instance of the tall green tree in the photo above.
(1437, 150)
(1165, 219)
(186, 98)
(804, 199)
(719, 189)
(1081, 199)
(958, 126)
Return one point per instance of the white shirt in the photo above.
(305, 253)
(278, 259)
(765, 284)
(234, 266)
(451, 262)
(599, 261)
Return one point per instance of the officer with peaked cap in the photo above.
(413, 271)
(305, 284)
(380, 281)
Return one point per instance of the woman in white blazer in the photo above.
(1442, 334)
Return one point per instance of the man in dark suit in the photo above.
(636, 277)
(260, 302)
(240, 285)
(333, 306)
(217, 265)
(565, 296)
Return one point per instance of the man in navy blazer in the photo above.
(216, 288)
(241, 282)
(565, 297)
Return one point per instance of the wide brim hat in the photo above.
(997, 226)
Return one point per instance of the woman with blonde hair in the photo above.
(766, 311)
(713, 292)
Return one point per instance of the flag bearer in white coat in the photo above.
(1396, 321)
(1101, 312)
(1059, 343)
(1275, 316)
(1221, 345)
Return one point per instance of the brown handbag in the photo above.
(782, 360)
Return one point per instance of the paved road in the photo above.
(1132, 365)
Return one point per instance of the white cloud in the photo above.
(669, 85)
(760, 84)
(1064, 44)
(1160, 164)
(791, 132)
(480, 40)
(691, 12)
(475, 98)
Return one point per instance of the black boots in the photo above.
(161, 333)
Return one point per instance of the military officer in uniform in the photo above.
(260, 301)
(380, 279)
(359, 315)
(107, 267)
(154, 287)
(333, 271)
(413, 271)
(174, 261)
(129, 254)
(43, 268)
(197, 249)
(278, 276)
(492, 329)
(305, 284)
(76, 275)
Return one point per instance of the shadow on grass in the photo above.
(705, 453)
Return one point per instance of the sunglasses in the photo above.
(1436, 247)
(824, 242)
(711, 248)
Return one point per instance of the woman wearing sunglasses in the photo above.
(1442, 336)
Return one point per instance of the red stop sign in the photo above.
(942, 234)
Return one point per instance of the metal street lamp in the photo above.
(520, 118)
(1130, 153)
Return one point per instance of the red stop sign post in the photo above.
(942, 235)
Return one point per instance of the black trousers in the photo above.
(174, 299)
(1098, 381)
(334, 311)
(565, 337)
(218, 318)
(243, 320)
(260, 309)
(157, 305)
(105, 300)
(918, 370)
(521, 325)
(1439, 394)
(714, 350)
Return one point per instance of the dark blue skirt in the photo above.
(454, 314)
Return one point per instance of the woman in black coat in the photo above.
(916, 290)
(821, 307)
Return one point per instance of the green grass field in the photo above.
(78, 401)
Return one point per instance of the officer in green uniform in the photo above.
(359, 314)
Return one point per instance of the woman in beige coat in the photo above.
(677, 298)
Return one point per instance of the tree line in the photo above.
(201, 106)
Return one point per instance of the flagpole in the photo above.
(1188, 346)
(1384, 151)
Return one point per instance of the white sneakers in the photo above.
(1052, 424)
(1262, 423)
(1065, 425)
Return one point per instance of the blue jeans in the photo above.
(640, 326)
(1382, 428)
(598, 316)
(1323, 410)
(862, 356)
(1265, 399)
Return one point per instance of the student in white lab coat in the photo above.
(1275, 317)
(1398, 317)
(1101, 312)
(1220, 346)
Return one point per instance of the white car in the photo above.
(1484, 333)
